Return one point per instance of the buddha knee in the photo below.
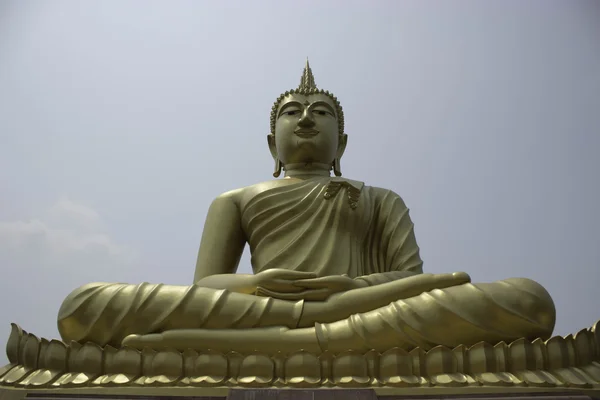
(532, 297)
(74, 314)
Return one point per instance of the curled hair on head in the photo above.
(307, 87)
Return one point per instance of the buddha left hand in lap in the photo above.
(336, 267)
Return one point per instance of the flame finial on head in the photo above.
(307, 81)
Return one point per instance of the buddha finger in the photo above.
(290, 274)
(280, 285)
(309, 295)
(286, 274)
(336, 283)
(264, 292)
(315, 283)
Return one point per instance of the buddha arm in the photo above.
(221, 248)
(397, 244)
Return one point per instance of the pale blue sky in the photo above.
(120, 121)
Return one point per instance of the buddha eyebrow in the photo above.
(288, 105)
(324, 104)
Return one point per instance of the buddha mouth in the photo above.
(306, 132)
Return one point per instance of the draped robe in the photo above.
(330, 226)
(297, 227)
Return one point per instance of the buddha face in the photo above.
(306, 130)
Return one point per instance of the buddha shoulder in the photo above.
(385, 194)
(240, 197)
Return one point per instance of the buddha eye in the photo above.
(292, 112)
(322, 112)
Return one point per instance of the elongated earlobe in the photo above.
(343, 141)
(277, 171)
(337, 170)
(273, 149)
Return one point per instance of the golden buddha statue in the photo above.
(336, 267)
(336, 270)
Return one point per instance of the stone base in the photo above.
(222, 393)
(566, 368)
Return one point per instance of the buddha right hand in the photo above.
(276, 281)
(267, 283)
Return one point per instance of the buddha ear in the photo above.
(341, 145)
(343, 140)
(272, 147)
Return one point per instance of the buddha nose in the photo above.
(306, 120)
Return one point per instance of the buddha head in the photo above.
(307, 127)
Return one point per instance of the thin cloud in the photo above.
(66, 229)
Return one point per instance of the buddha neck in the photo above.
(306, 170)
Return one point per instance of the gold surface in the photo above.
(383, 299)
(558, 363)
